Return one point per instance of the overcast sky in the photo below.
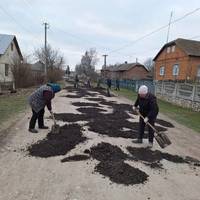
(77, 25)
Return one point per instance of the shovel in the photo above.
(55, 129)
(161, 138)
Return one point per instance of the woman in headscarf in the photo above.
(38, 100)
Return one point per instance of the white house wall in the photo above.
(7, 58)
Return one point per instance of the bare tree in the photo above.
(87, 65)
(21, 72)
(90, 58)
(67, 72)
(55, 62)
(149, 63)
(2, 77)
(54, 57)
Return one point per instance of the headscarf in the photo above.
(55, 87)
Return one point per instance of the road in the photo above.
(26, 177)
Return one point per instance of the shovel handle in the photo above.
(146, 122)
(53, 118)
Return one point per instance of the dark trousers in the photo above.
(150, 130)
(37, 116)
(76, 85)
(117, 87)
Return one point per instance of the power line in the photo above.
(159, 47)
(28, 4)
(75, 36)
(23, 27)
(99, 46)
(86, 41)
(153, 49)
(79, 38)
(13, 19)
(31, 8)
(66, 32)
(155, 31)
(197, 36)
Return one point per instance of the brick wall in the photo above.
(187, 65)
(137, 72)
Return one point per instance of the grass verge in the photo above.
(12, 104)
(184, 116)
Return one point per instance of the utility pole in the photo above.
(105, 56)
(170, 21)
(165, 59)
(46, 26)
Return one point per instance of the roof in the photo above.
(5, 41)
(124, 67)
(190, 47)
(38, 66)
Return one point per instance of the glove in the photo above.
(134, 108)
(146, 119)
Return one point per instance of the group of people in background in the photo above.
(109, 84)
(145, 104)
(87, 82)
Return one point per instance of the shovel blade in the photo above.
(162, 140)
(55, 129)
(165, 138)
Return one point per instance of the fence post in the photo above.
(154, 84)
(176, 89)
(136, 85)
(162, 86)
(193, 92)
(13, 86)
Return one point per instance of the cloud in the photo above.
(93, 26)
(106, 26)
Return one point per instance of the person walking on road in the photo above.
(149, 109)
(117, 84)
(88, 82)
(109, 83)
(38, 100)
(76, 81)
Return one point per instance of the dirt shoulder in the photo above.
(27, 173)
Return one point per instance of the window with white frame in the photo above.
(168, 49)
(6, 69)
(175, 70)
(173, 48)
(162, 71)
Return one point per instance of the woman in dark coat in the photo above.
(38, 100)
(148, 108)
